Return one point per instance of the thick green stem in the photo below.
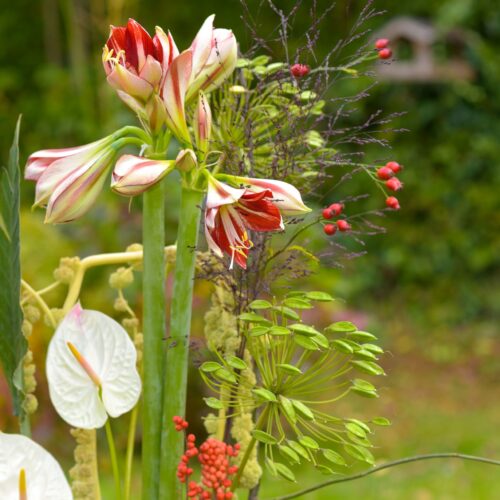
(114, 460)
(129, 457)
(154, 331)
(175, 377)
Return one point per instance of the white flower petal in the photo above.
(44, 477)
(107, 348)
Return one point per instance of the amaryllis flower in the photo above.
(27, 471)
(136, 64)
(202, 124)
(91, 369)
(69, 180)
(133, 175)
(231, 212)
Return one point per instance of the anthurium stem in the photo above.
(154, 331)
(177, 345)
(114, 460)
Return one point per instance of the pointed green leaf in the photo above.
(210, 366)
(381, 421)
(251, 317)
(264, 437)
(236, 363)
(342, 346)
(321, 341)
(305, 342)
(260, 304)
(342, 326)
(287, 312)
(288, 409)
(289, 369)
(297, 303)
(365, 354)
(299, 449)
(271, 467)
(225, 375)
(355, 429)
(309, 442)
(289, 454)
(368, 367)
(265, 395)
(319, 296)
(214, 403)
(302, 329)
(258, 331)
(373, 348)
(361, 336)
(359, 453)
(285, 472)
(334, 457)
(279, 331)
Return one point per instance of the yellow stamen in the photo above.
(107, 55)
(84, 364)
(23, 493)
(240, 249)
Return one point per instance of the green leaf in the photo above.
(225, 375)
(258, 331)
(368, 367)
(359, 453)
(285, 472)
(251, 317)
(265, 395)
(210, 366)
(287, 312)
(214, 403)
(264, 437)
(299, 449)
(361, 336)
(289, 369)
(334, 457)
(381, 421)
(271, 467)
(319, 296)
(302, 329)
(236, 363)
(365, 354)
(355, 429)
(305, 342)
(288, 409)
(309, 442)
(289, 454)
(297, 303)
(325, 470)
(342, 346)
(342, 326)
(260, 304)
(373, 348)
(321, 340)
(12, 342)
(279, 331)
(361, 424)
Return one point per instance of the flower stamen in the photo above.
(84, 364)
(23, 493)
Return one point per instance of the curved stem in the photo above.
(114, 461)
(388, 465)
(154, 331)
(43, 305)
(129, 457)
(177, 345)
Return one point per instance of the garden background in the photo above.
(429, 287)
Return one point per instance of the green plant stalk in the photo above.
(114, 460)
(129, 457)
(154, 330)
(176, 370)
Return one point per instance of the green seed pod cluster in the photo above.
(66, 270)
(121, 278)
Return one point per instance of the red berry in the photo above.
(336, 208)
(327, 213)
(381, 43)
(394, 166)
(392, 202)
(385, 54)
(394, 184)
(329, 229)
(343, 225)
(384, 173)
(300, 70)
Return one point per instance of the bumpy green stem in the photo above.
(175, 377)
(154, 330)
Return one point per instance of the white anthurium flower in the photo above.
(91, 369)
(27, 471)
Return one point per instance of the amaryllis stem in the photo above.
(177, 345)
(154, 331)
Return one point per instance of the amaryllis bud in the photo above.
(329, 229)
(336, 208)
(343, 225)
(394, 166)
(327, 213)
(384, 173)
(381, 43)
(392, 202)
(186, 160)
(300, 70)
(133, 175)
(385, 54)
(202, 124)
(155, 112)
(394, 184)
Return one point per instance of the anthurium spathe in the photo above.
(91, 369)
(27, 471)
(133, 175)
(231, 212)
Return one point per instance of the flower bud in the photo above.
(186, 160)
(300, 70)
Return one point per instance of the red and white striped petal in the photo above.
(166, 51)
(202, 124)
(202, 45)
(133, 175)
(122, 79)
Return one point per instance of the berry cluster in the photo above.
(388, 173)
(334, 210)
(382, 45)
(300, 70)
(180, 423)
(216, 471)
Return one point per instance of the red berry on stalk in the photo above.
(343, 225)
(394, 166)
(329, 229)
(392, 202)
(384, 173)
(327, 213)
(300, 70)
(394, 184)
(336, 208)
(381, 43)
(385, 54)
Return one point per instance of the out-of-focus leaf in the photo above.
(12, 342)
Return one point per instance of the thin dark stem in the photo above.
(388, 465)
